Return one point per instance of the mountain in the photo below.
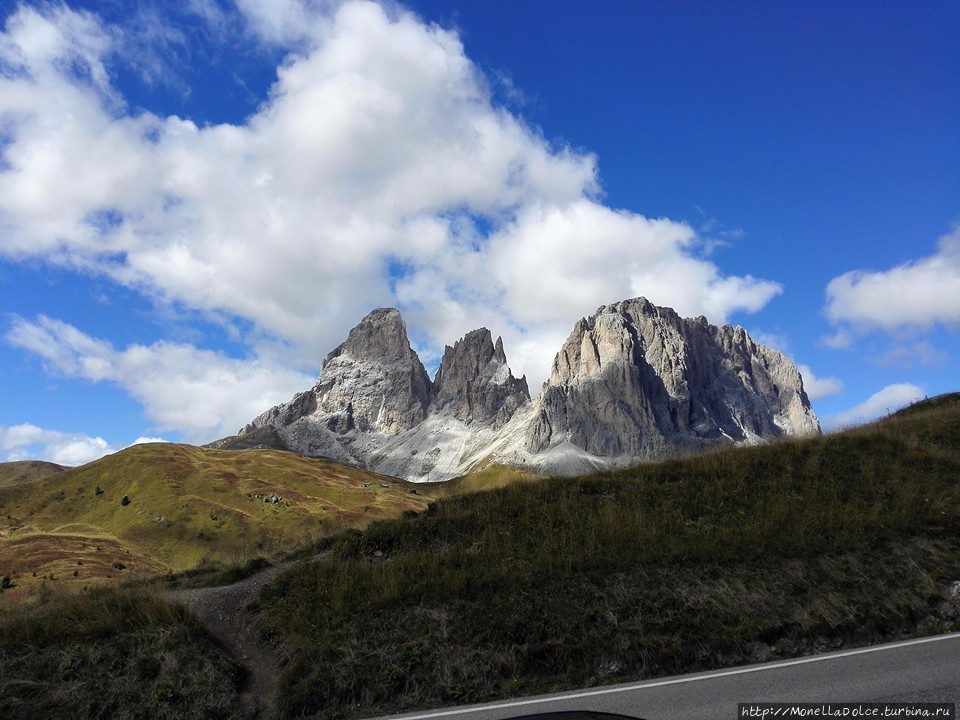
(20, 471)
(637, 380)
(632, 382)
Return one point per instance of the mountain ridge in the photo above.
(632, 382)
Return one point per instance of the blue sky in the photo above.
(199, 199)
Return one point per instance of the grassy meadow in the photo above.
(495, 585)
(162, 508)
(682, 565)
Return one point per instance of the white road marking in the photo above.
(687, 679)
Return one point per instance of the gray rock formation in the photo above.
(374, 381)
(636, 381)
(373, 399)
(475, 383)
(633, 382)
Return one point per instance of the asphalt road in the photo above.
(923, 670)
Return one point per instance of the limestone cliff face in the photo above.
(373, 381)
(632, 382)
(375, 406)
(636, 380)
(475, 383)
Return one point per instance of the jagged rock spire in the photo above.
(374, 380)
(475, 383)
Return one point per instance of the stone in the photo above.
(474, 381)
(374, 380)
(638, 381)
(632, 382)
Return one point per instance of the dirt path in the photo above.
(224, 612)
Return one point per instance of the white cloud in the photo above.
(203, 394)
(29, 442)
(887, 400)
(146, 440)
(26, 441)
(819, 388)
(558, 262)
(377, 172)
(919, 293)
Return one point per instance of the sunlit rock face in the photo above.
(375, 406)
(638, 381)
(632, 382)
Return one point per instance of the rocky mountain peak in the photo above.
(632, 382)
(381, 335)
(374, 380)
(475, 383)
(637, 380)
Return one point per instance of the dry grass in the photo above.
(122, 655)
(663, 568)
(187, 507)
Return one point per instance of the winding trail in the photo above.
(224, 611)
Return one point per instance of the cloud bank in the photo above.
(29, 442)
(379, 170)
(200, 393)
(883, 402)
(916, 294)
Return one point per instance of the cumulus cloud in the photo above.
(29, 442)
(203, 394)
(378, 171)
(920, 294)
(882, 402)
(819, 388)
(26, 441)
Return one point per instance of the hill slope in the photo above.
(162, 508)
(740, 554)
(12, 473)
(721, 559)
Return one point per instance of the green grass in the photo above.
(121, 655)
(12, 473)
(528, 586)
(186, 508)
(663, 568)
(490, 477)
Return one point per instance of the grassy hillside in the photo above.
(527, 586)
(122, 655)
(667, 567)
(13, 473)
(161, 508)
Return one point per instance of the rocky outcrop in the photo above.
(637, 381)
(375, 406)
(632, 382)
(475, 383)
(374, 381)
